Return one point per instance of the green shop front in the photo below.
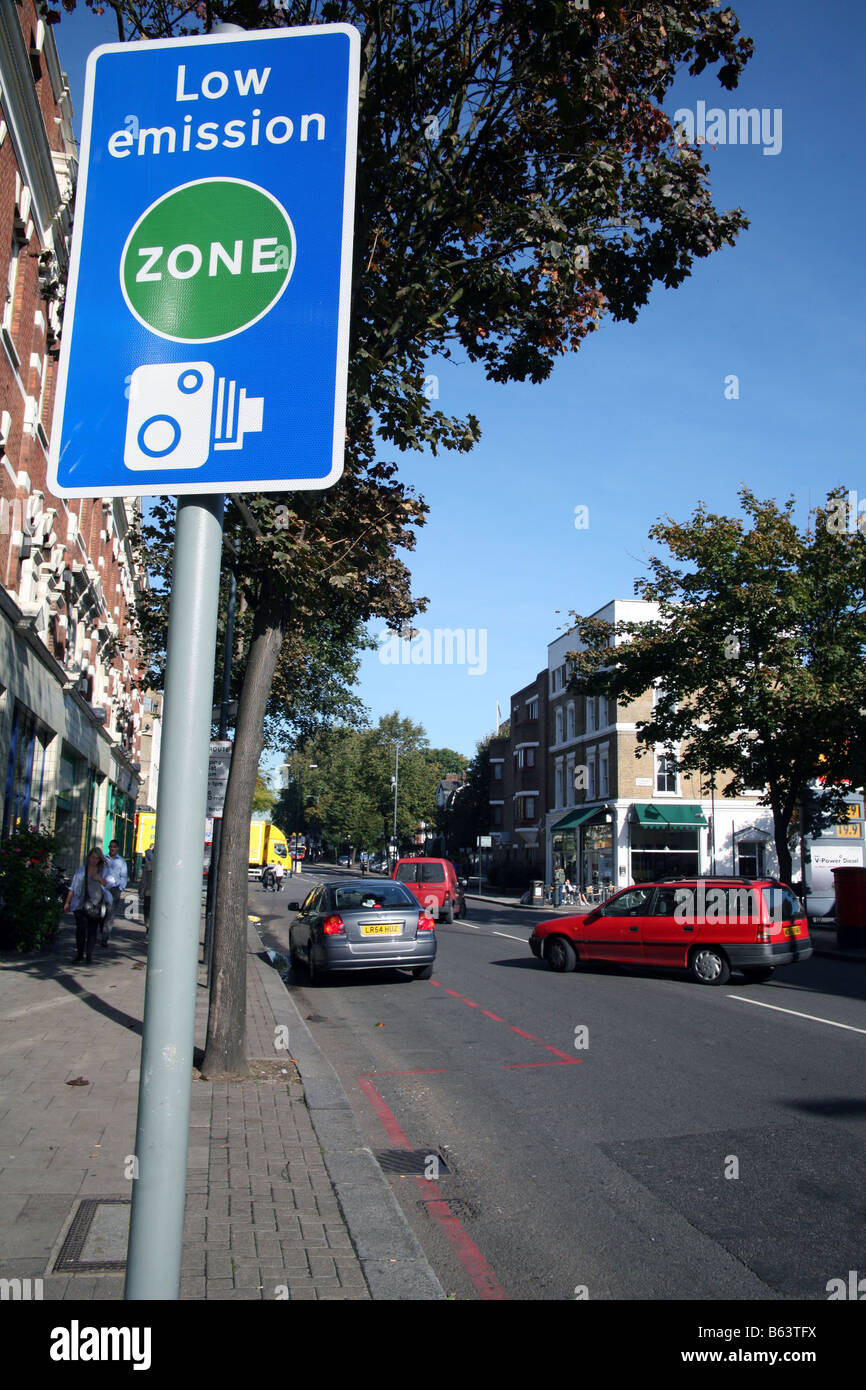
(665, 840)
(582, 846)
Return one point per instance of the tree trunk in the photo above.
(225, 1050)
(780, 832)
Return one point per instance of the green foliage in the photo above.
(758, 649)
(349, 796)
(263, 797)
(518, 178)
(29, 891)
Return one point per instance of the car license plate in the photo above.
(381, 929)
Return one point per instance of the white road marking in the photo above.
(510, 937)
(812, 1017)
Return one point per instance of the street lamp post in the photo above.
(396, 784)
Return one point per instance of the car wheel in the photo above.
(560, 954)
(448, 912)
(709, 966)
(423, 972)
(313, 972)
(757, 977)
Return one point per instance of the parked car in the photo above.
(343, 859)
(435, 884)
(355, 924)
(708, 927)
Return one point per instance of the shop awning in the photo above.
(576, 818)
(673, 815)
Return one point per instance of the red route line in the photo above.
(511, 1066)
(530, 1037)
(395, 1133)
(467, 1252)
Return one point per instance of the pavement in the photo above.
(284, 1199)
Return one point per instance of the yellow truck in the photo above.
(268, 845)
(145, 831)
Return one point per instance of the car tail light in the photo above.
(764, 933)
(425, 923)
(334, 926)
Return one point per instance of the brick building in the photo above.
(70, 709)
(518, 787)
(572, 797)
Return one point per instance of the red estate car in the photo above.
(707, 926)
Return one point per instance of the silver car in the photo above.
(362, 925)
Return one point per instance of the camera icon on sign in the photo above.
(179, 410)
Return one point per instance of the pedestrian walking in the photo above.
(145, 887)
(279, 873)
(116, 877)
(89, 897)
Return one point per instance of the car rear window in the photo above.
(432, 873)
(408, 873)
(385, 894)
(782, 904)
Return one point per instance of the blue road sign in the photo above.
(205, 341)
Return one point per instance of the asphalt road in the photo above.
(608, 1134)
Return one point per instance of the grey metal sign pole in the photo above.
(162, 1134)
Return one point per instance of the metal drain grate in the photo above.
(457, 1206)
(413, 1163)
(96, 1240)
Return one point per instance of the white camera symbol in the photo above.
(171, 410)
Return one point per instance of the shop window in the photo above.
(25, 776)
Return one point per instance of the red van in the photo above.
(707, 926)
(435, 884)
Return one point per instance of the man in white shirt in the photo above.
(116, 875)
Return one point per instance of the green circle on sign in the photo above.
(207, 260)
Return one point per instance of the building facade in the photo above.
(574, 796)
(70, 662)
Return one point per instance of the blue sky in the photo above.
(636, 425)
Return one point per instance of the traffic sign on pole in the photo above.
(218, 776)
(205, 342)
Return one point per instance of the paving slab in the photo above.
(284, 1200)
